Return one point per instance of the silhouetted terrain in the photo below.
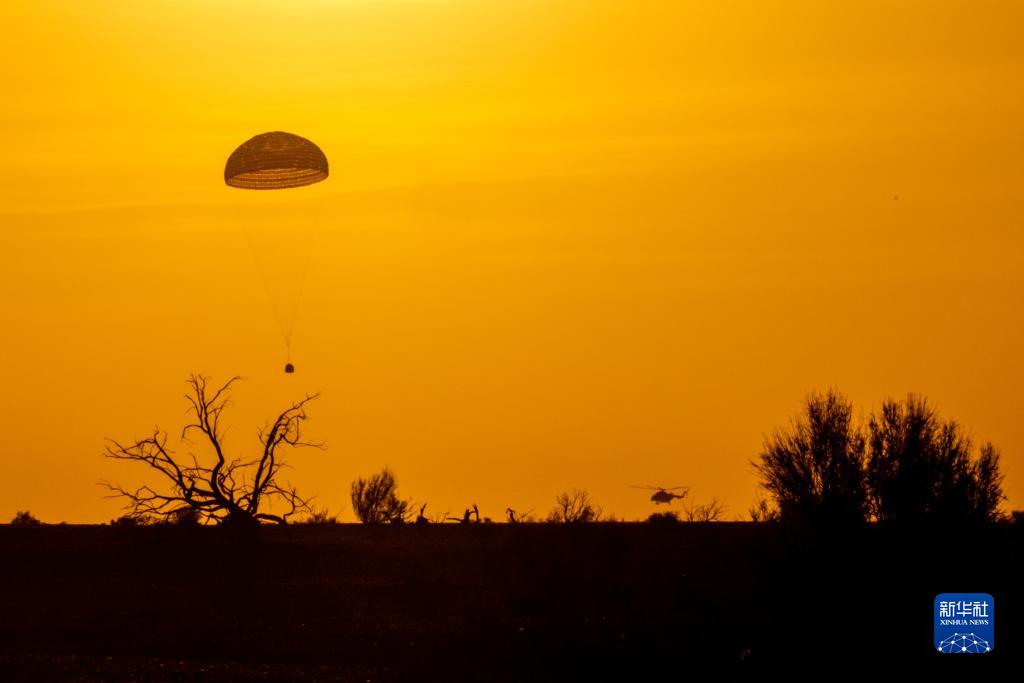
(487, 602)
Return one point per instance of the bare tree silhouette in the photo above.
(574, 506)
(515, 517)
(471, 515)
(711, 511)
(815, 469)
(422, 518)
(375, 499)
(920, 468)
(236, 490)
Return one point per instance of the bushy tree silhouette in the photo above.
(907, 466)
(815, 469)
(215, 489)
(375, 499)
(920, 468)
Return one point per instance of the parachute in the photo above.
(278, 161)
(275, 161)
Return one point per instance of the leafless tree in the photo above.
(422, 518)
(574, 507)
(439, 517)
(705, 512)
(467, 516)
(216, 489)
(517, 518)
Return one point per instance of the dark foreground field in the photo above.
(487, 602)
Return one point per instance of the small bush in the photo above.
(375, 499)
(25, 518)
(184, 517)
(131, 521)
(667, 517)
(763, 511)
(320, 517)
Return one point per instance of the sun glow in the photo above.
(564, 243)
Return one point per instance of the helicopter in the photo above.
(664, 495)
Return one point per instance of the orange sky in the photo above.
(564, 242)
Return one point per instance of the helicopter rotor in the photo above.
(659, 488)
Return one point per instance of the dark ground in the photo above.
(489, 602)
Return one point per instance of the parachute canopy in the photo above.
(275, 161)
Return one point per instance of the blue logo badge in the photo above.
(965, 623)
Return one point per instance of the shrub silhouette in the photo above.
(815, 469)
(574, 506)
(184, 517)
(319, 517)
(764, 511)
(375, 499)
(132, 521)
(666, 517)
(920, 468)
(25, 518)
